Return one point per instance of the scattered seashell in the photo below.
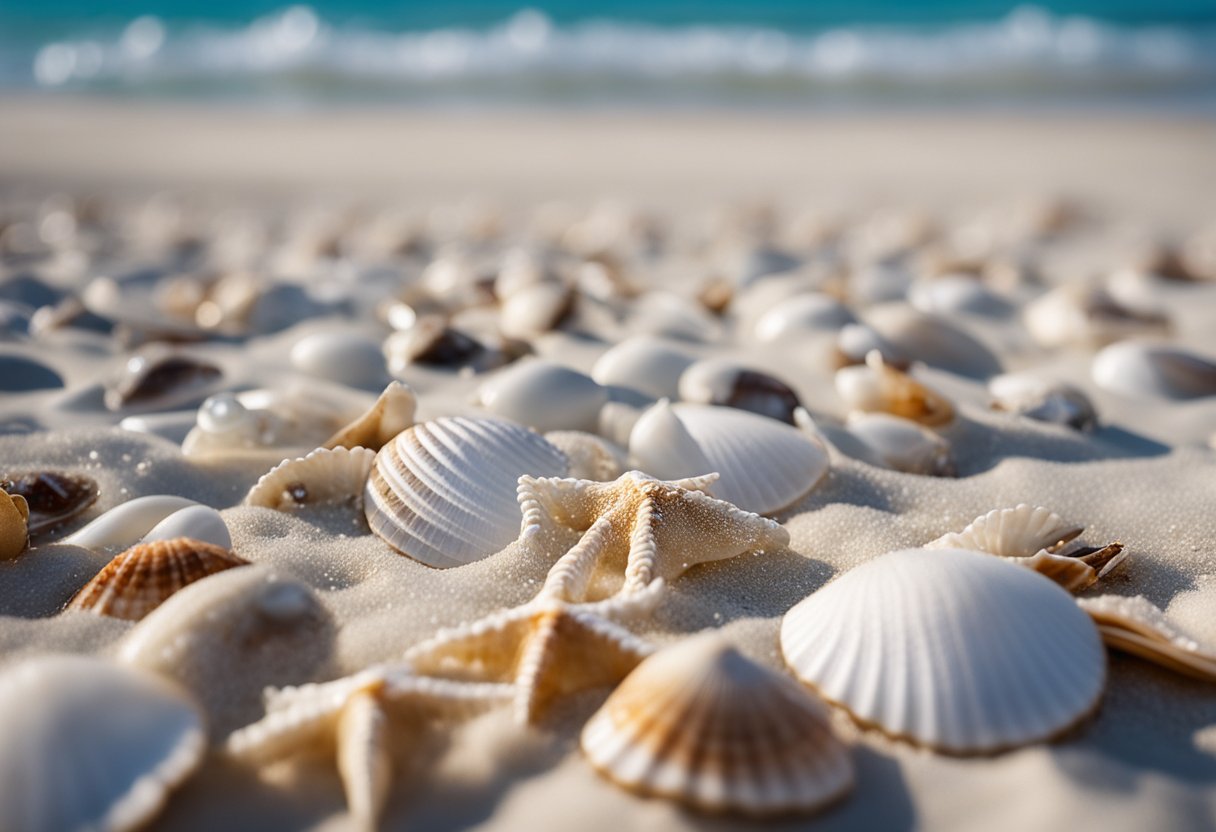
(950, 649)
(327, 475)
(700, 724)
(933, 339)
(958, 294)
(722, 382)
(879, 387)
(544, 395)
(642, 363)
(1134, 625)
(590, 457)
(431, 342)
(161, 381)
(807, 313)
(1139, 369)
(856, 341)
(14, 525)
(902, 444)
(669, 315)
(616, 421)
(140, 579)
(1087, 316)
(536, 309)
(1012, 532)
(52, 497)
(343, 357)
(760, 263)
(443, 492)
(89, 744)
(197, 522)
(1055, 402)
(19, 374)
(716, 295)
(127, 522)
(765, 465)
(392, 413)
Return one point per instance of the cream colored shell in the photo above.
(950, 649)
(327, 475)
(1018, 532)
(1135, 625)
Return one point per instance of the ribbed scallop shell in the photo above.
(950, 649)
(327, 475)
(1134, 625)
(89, 744)
(140, 579)
(1018, 532)
(699, 723)
(765, 465)
(443, 492)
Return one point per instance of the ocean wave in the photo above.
(296, 50)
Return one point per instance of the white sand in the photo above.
(1148, 759)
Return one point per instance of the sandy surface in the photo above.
(1147, 477)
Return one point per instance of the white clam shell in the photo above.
(89, 744)
(902, 444)
(955, 294)
(535, 309)
(803, 314)
(765, 465)
(327, 475)
(950, 649)
(196, 522)
(1018, 532)
(1043, 400)
(127, 522)
(545, 396)
(343, 357)
(699, 723)
(1087, 316)
(932, 339)
(444, 492)
(645, 364)
(1140, 369)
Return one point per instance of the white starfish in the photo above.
(656, 529)
(356, 713)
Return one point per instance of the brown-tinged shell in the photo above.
(392, 413)
(160, 381)
(53, 497)
(140, 579)
(1135, 625)
(14, 525)
(880, 387)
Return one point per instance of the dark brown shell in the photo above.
(54, 497)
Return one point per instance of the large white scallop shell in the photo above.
(951, 649)
(765, 465)
(327, 475)
(699, 723)
(545, 396)
(1018, 532)
(89, 744)
(443, 492)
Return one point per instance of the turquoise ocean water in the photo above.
(783, 53)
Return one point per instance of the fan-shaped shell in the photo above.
(443, 492)
(951, 649)
(140, 579)
(327, 475)
(1018, 532)
(392, 413)
(1135, 625)
(89, 744)
(878, 387)
(765, 465)
(699, 723)
(51, 496)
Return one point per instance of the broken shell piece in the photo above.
(52, 497)
(1012, 532)
(1002, 659)
(1087, 316)
(327, 475)
(699, 723)
(591, 457)
(545, 396)
(536, 309)
(878, 387)
(127, 522)
(902, 444)
(14, 525)
(140, 579)
(643, 363)
(722, 382)
(765, 465)
(808, 313)
(1043, 400)
(443, 492)
(1077, 571)
(90, 744)
(392, 413)
(158, 382)
(1135, 625)
(1139, 369)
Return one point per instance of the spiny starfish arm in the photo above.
(762, 530)
(536, 659)
(568, 578)
(643, 550)
(364, 762)
(628, 607)
(560, 499)
(484, 648)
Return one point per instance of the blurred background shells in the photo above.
(544, 395)
(127, 522)
(701, 724)
(643, 363)
(443, 492)
(878, 387)
(91, 745)
(342, 357)
(156, 379)
(931, 338)
(1137, 369)
(802, 315)
(889, 639)
(140, 579)
(724, 382)
(1043, 400)
(902, 444)
(1088, 315)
